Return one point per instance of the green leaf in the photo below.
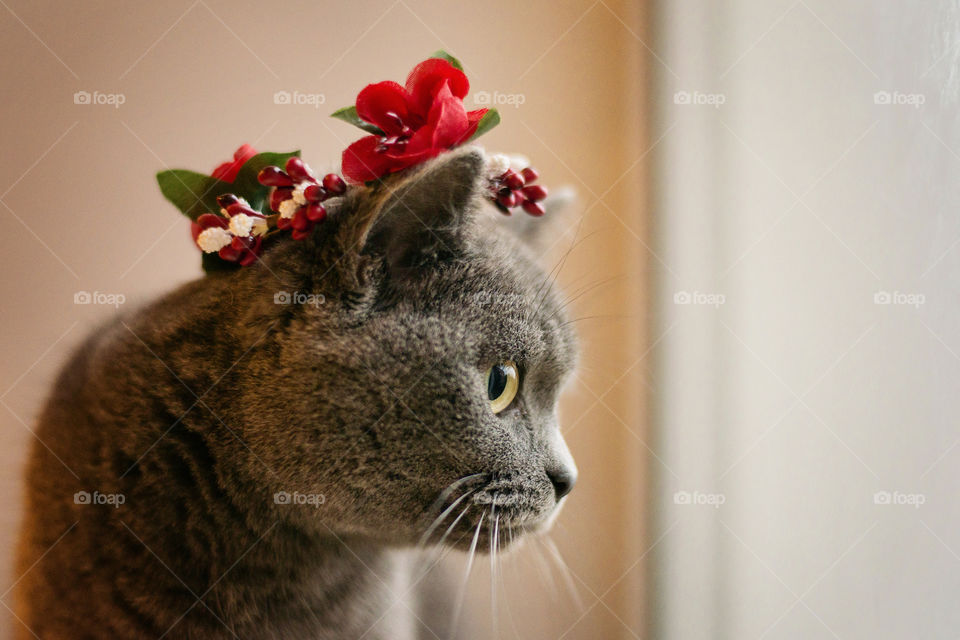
(195, 193)
(192, 193)
(349, 114)
(443, 55)
(489, 120)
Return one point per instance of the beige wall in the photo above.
(80, 210)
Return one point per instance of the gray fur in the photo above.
(202, 406)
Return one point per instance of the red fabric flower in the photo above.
(419, 121)
(228, 170)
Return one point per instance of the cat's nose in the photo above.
(560, 467)
(563, 479)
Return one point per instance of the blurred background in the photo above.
(807, 300)
(764, 276)
(100, 96)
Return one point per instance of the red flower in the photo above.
(228, 170)
(419, 121)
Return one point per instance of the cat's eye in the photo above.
(503, 381)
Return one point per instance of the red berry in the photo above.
(300, 235)
(227, 199)
(298, 171)
(274, 177)
(315, 193)
(316, 212)
(513, 179)
(229, 253)
(334, 184)
(508, 199)
(535, 192)
(278, 195)
(530, 174)
(283, 223)
(300, 222)
(533, 208)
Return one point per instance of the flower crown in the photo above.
(245, 201)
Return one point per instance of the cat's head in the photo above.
(406, 363)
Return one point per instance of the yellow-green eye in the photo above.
(503, 381)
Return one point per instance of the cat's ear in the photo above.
(422, 219)
(544, 232)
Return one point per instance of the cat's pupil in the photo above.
(496, 382)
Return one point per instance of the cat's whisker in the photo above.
(450, 488)
(494, 534)
(446, 533)
(439, 552)
(579, 293)
(503, 583)
(544, 569)
(436, 522)
(607, 316)
(466, 576)
(552, 277)
(564, 571)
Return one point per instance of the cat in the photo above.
(251, 455)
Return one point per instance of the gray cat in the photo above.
(250, 455)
